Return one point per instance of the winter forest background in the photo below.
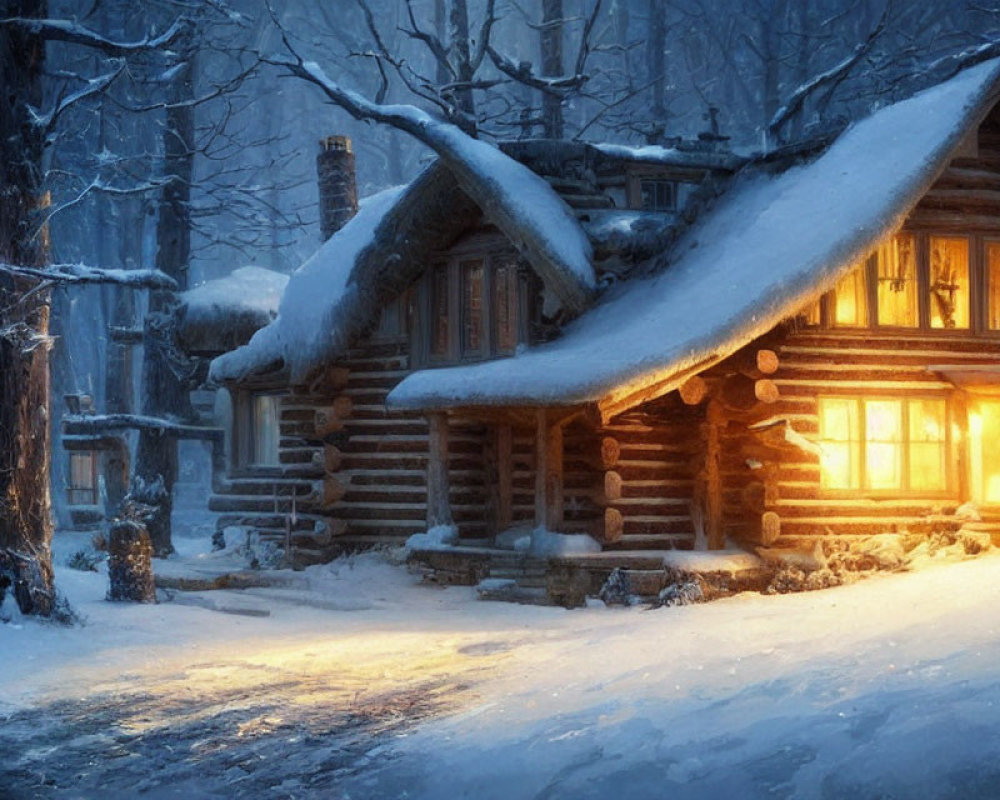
(201, 134)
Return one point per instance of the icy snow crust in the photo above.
(886, 688)
(768, 248)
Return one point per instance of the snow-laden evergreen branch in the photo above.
(65, 30)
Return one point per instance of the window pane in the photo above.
(472, 307)
(897, 282)
(883, 444)
(505, 307)
(657, 195)
(928, 445)
(993, 276)
(850, 301)
(840, 443)
(265, 430)
(439, 311)
(949, 282)
(82, 479)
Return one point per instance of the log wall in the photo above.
(785, 482)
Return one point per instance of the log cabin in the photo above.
(705, 348)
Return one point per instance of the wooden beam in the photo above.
(714, 420)
(554, 479)
(541, 466)
(438, 501)
(505, 475)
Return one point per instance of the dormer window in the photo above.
(469, 308)
(657, 194)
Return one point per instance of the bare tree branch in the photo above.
(80, 274)
(68, 31)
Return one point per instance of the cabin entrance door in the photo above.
(984, 451)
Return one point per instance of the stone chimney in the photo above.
(338, 186)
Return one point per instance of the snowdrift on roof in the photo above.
(220, 314)
(770, 246)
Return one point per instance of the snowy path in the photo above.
(887, 688)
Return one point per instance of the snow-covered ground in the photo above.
(361, 683)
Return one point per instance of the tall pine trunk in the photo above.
(25, 526)
(164, 393)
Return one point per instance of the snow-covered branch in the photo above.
(94, 86)
(79, 273)
(64, 30)
(91, 424)
(522, 73)
(831, 76)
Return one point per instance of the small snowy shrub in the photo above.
(681, 594)
(84, 560)
(616, 590)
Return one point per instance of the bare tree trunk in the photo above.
(163, 392)
(458, 19)
(25, 526)
(551, 40)
(656, 62)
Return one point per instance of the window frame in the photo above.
(951, 482)
(978, 288)
(493, 255)
(245, 428)
(94, 489)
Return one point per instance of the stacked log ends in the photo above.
(770, 528)
(742, 393)
(330, 491)
(612, 486)
(693, 391)
(331, 418)
(328, 459)
(611, 452)
(614, 525)
(767, 361)
(130, 565)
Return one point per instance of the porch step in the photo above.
(654, 541)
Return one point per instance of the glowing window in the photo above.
(82, 485)
(884, 444)
(993, 278)
(850, 300)
(440, 333)
(949, 282)
(897, 282)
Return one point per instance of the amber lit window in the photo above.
(984, 433)
(884, 444)
(472, 307)
(439, 338)
(850, 300)
(897, 282)
(949, 282)
(505, 307)
(993, 284)
(82, 488)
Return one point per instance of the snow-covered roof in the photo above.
(335, 294)
(768, 248)
(220, 314)
(316, 299)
